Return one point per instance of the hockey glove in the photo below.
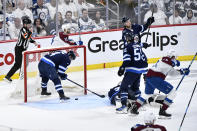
(79, 43)
(121, 71)
(150, 20)
(175, 63)
(184, 71)
(63, 76)
(146, 45)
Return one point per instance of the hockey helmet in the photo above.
(125, 19)
(149, 118)
(172, 54)
(65, 27)
(72, 55)
(26, 20)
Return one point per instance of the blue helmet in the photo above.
(72, 55)
(125, 19)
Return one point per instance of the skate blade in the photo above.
(121, 112)
(64, 101)
(164, 117)
(45, 96)
(6, 80)
(133, 115)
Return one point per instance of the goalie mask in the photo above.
(72, 55)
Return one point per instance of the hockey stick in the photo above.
(149, 26)
(102, 96)
(187, 107)
(187, 68)
(79, 33)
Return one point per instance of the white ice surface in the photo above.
(91, 113)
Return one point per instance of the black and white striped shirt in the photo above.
(24, 38)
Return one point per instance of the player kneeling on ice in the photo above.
(156, 80)
(149, 120)
(52, 66)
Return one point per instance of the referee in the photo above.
(22, 44)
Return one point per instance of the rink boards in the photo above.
(104, 48)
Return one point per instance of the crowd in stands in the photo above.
(89, 15)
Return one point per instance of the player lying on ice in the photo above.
(156, 80)
(53, 66)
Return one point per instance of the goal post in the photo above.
(39, 51)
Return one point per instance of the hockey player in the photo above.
(134, 60)
(149, 120)
(53, 66)
(63, 38)
(22, 44)
(114, 94)
(131, 32)
(156, 80)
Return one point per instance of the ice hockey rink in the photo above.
(90, 112)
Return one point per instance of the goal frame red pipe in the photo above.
(52, 49)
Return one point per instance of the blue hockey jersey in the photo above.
(133, 35)
(134, 59)
(59, 60)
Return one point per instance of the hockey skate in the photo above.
(7, 79)
(44, 92)
(122, 110)
(163, 114)
(134, 110)
(63, 99)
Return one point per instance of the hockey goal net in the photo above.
(30, 82)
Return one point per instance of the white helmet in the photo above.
(149, 118)
(65, 27)
(171, 53)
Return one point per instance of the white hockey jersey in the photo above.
(162, 68)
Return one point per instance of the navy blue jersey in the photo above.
(133, 35)
(134, 59)
(59, 60)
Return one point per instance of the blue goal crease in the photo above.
(83, 102)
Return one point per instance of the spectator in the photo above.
(7, 36)
(38, 28)
(68, 6)
(160, 17)
(99, 3)
(71, 22)
(28, 4)
(127, 9)
(52, 8)
(177, 18)
(41, 11)
(189, 18)
(160, 4)
(9, 13)
(22, 11)
(86, 24)
(99, 23)
(14, 29)
(81, 5)
(51, 27)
